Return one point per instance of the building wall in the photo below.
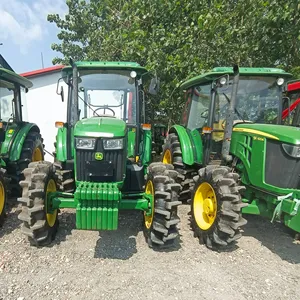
(44, 107)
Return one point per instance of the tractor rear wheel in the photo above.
(216, 206)
(172, 154)
(39, 225)
(160, 228)
(3, 195)
(32, 150)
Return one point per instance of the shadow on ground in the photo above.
(66, 224)
(275, 236)
(11, 221)
(120, 243)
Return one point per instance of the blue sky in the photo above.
(25, 32)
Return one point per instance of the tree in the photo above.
(180, 39)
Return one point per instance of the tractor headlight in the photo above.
(85, 143)
(113, 144)
(292, 150)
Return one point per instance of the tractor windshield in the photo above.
(107, 94)
(258, 100)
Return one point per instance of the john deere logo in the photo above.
(98, 155)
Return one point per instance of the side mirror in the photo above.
(61, 93)
(154, 86)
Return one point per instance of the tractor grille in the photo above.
(281, 170)
(110, 169)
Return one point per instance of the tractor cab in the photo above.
(208, 97)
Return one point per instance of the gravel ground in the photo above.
(265, 264)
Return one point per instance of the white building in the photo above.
(44, 106)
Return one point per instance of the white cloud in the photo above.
(23, 23)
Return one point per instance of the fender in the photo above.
(61, 144)
(185, 144)
(14, 141)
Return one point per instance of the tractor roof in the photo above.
(219, 71)
(14, 77)
(106, 65)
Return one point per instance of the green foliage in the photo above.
(180, 39)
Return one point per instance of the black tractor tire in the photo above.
(64, 178)
(163, 230)
(186, 173)
(32, 142)
(225, 227)
(35, 223)
(3, 195)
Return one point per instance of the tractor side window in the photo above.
(200, 100)
(7, 94)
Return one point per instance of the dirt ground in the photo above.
(265, 264)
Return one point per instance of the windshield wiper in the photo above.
(237, 112)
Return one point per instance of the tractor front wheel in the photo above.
(38, 224)
(160, 227)
(216, 206)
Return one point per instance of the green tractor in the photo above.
(233, 154)
(20, 142)
(102, 160)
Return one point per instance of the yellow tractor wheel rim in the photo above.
(2, 197)
(167, 158)
(51, 218)
(150, 191)
(37, 154)
(205, 206)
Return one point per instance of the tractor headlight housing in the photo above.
(291, 150)
(113, 144)
(85, 143)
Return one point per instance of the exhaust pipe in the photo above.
(74, 107)
(230, 116)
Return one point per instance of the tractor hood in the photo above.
(100, 127)
(286, 134)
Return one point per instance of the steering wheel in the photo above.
(104, 108)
